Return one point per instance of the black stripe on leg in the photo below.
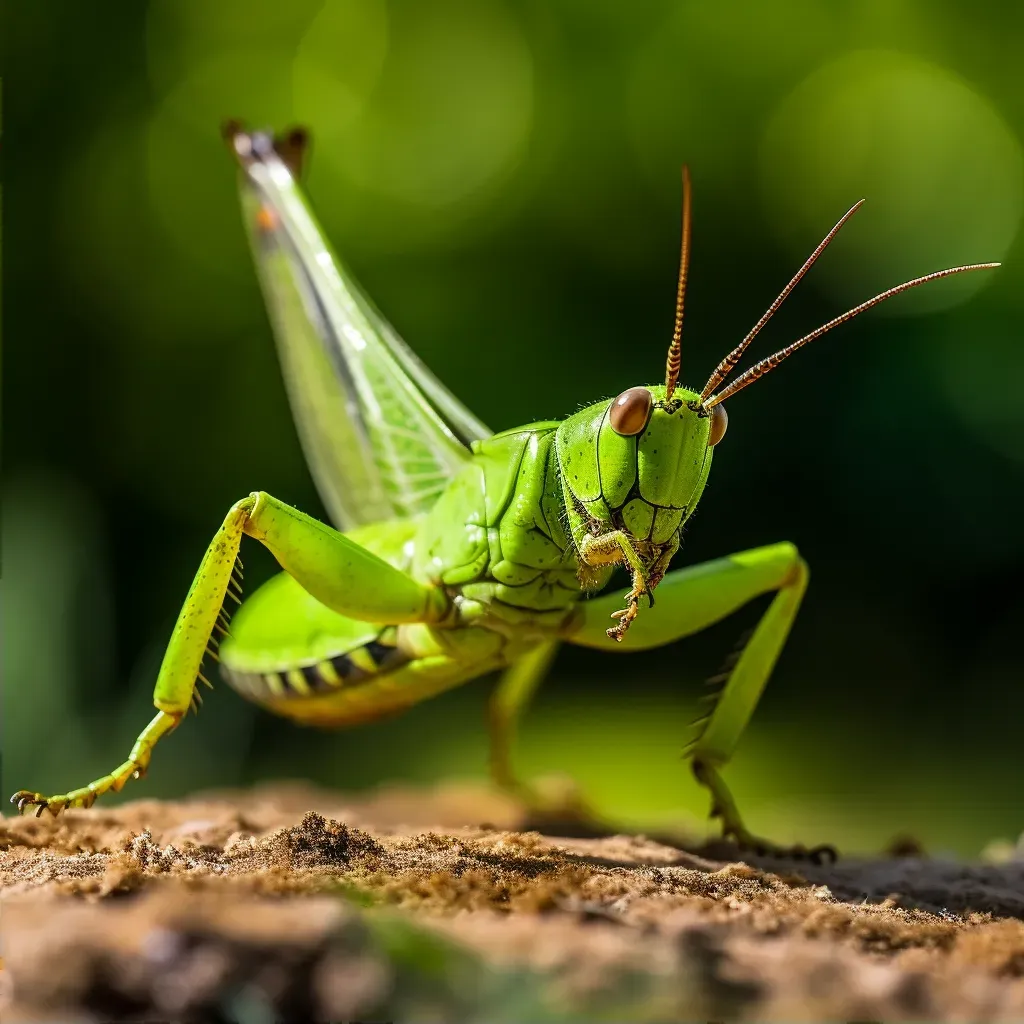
(342, 665)
(348, 671)
(316, 681)
(385, 656)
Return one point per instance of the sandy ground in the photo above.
(287, 903)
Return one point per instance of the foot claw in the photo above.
(557, 801)
(26, 798)
(761, 848)
(722, 806)
(823, 854)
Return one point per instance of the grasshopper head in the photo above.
(637, 463)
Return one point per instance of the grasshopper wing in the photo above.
(381, 434)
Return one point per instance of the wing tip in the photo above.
(291, 146)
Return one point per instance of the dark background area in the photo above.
(504, 181)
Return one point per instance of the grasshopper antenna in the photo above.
(675, 349)
(761, 368)
(725, 367)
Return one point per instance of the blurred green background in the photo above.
(503, 178)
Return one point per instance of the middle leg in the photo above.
(552, 798)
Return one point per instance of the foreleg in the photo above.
(691, 599)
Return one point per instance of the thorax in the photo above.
(496, 538)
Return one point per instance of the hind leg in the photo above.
(333, 568)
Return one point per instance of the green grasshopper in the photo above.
(462, 551)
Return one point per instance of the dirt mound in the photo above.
(286, 903)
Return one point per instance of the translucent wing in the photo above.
(381, 434)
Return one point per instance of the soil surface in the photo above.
(288, 903)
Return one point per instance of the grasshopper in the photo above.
(459, 551)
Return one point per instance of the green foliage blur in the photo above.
(503, 178)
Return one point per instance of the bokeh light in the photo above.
(400, 173)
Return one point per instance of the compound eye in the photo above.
(631, 411)
(719, 421)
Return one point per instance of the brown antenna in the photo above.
(763, 367)
(675, 349)
(725, 367)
